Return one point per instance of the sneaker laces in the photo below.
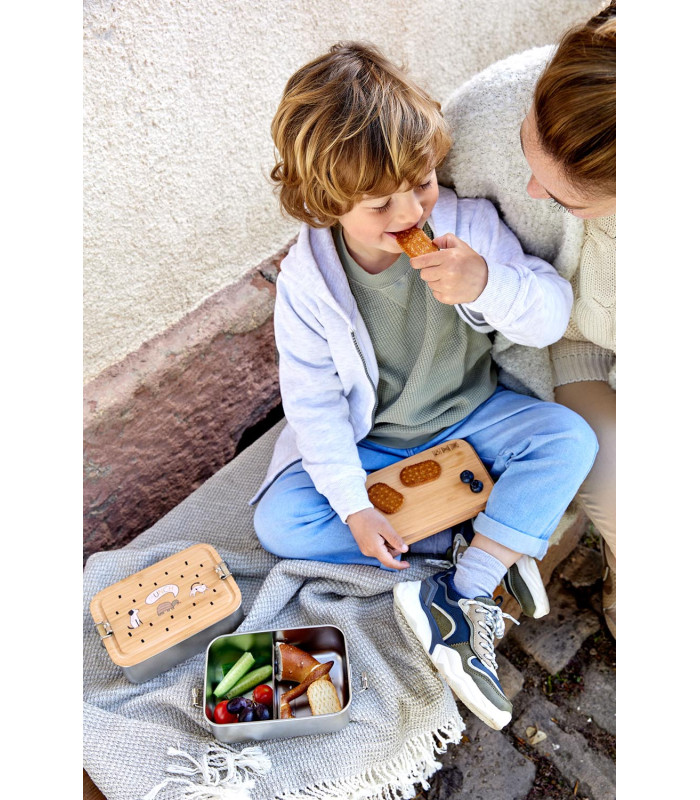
(459, 543)
(493, 623)
(439, 562)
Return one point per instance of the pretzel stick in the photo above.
(319, 671)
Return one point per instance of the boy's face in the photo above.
(369, 228)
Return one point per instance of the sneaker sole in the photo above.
(446, 660)
(531, 575)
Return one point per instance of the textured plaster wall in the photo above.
(178, 98)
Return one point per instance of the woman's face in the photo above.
(547, 181)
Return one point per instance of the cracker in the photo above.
(422, 472)
(415, 242)
(386, 499)
(323, 698)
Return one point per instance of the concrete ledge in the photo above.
(168, 416)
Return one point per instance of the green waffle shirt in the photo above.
(434, 369)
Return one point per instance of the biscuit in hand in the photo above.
(415, 242)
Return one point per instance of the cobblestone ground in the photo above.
(559, 672)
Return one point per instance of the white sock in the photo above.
(478, 573)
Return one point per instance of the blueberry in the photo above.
(467, 476)
(476, 486)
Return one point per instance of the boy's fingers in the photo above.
(426, 260)
(446, 240)
(430, 274)
(392, 545)
(393, 539)
(385, 558)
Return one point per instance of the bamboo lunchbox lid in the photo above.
(164, 604)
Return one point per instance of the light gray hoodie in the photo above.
(328, 370)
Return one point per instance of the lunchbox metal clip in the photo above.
(197, 695)
(222, 570)
(364, 680)
(104, 629)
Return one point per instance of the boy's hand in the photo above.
(377, 538)
(455, 274)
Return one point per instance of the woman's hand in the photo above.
(376, 537)
(455, 274)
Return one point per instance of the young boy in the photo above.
(382, 357)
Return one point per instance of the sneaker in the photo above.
(523, 580)
(459, 548)
(458, 635)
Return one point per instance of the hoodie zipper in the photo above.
(371, 382)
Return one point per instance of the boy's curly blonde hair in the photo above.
(351, 124)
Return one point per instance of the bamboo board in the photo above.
(436, 505)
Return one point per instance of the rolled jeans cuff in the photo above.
(509, 537)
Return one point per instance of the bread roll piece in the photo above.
(294, 664)
(415, 242)
(323, 698)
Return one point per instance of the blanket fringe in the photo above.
(393, 780)
(225, 774)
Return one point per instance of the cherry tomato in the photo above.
(263, 694)
(221, 714)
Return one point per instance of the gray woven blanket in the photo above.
(148, 740)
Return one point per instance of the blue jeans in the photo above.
(538, 454)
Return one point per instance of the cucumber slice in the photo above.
(237, 671)
(249, 681)
(262, 659)
(245, 641)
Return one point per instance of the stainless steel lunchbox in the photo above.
(167, 612)
(323, 642)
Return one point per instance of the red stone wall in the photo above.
(167, 417)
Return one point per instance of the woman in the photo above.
(544, 121)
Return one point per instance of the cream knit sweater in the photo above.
(587, 350)
(486, 160)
